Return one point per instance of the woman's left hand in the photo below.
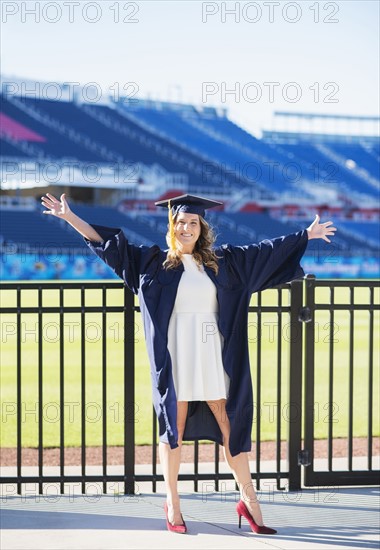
(320, 230)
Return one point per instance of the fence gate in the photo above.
(332, 380)
(341, 321)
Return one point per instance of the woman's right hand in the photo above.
(59, 208)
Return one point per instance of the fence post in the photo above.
(309, 379)
(295, 385)
(129, 392)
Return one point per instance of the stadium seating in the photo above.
(55, 145)
(37, 230)
(214, 153)
(44, 233)
(140, 145)
(137, 232)
(221, 142)
(266, 227)
(323, 169)
(209, 148)
(9, 150)
(364, 158)
(369, 232)
(132, 143)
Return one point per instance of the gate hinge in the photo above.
(304, 315)
(304, 458)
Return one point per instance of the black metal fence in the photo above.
(352, 322)
(292, 360)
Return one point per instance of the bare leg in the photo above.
(171, 460)
(239, 464)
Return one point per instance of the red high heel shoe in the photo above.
(174, 528)
(242, 510)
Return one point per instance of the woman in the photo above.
(194, 300)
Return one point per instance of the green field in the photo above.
(143, 406)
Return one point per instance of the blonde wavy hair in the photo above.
(203, 252)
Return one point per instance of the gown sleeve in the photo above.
(270, 262)
(127, 260)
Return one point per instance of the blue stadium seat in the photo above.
(37, 230)
(56, 145)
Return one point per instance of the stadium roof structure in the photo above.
(295, 137)
(324, 127)
(327, 116)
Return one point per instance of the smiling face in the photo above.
(187, 229)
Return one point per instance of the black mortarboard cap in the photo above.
(190, 204)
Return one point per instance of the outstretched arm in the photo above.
(275, 261)
(320, 230)
(61, 209)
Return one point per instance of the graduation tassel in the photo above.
(171, 228)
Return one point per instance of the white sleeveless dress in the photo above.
(194, 341)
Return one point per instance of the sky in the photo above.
(251, 58)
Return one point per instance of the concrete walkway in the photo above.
(313, 518)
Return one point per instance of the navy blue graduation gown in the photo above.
(242, 271)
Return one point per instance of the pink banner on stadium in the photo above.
(17, 131)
